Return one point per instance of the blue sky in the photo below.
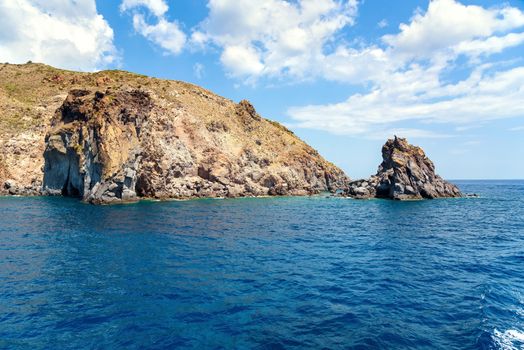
(342, 74)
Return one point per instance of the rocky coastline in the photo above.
(114, 137)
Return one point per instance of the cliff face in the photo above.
(405, 173)
(92, 150)
(115, 136)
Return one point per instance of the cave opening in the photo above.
(69, 190)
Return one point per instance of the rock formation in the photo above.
(115, 136)
(92, 150)
(405, 173)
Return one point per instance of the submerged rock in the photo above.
(405, 173)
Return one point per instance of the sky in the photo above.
(344, 75)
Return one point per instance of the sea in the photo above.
(267, 273)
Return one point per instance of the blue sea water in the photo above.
(269, 273)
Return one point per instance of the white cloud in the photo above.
(383, 23)
(495, 96)
(447, 23)
(405, 78)
(57, 32)
(276, 37)
(199, 70)
(163, 33)
(241, 60)
(297, 39)
(354, 65)
(491, 45)
(157, 7)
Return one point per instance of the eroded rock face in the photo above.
(122, 145)
(405, 173)
(143, 137)
(93, 148)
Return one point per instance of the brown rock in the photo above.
(125, 144)
(405, 173)
(144, 137)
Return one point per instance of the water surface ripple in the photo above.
(272, 273)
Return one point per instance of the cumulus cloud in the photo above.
(490, 45)
(492, 97)
(157, 7)
(61, 33)
(164, 33)
(273, 37)
(242, 60)
(447, 23)
(408, 75)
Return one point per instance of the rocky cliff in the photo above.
(405, 173)
(115, 136)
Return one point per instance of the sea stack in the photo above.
(404, 174)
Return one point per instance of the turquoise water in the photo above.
(270, 273)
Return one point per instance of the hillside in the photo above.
(116, 136)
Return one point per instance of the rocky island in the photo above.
(114, 136)
(405, 173)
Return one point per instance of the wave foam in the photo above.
(511, 339)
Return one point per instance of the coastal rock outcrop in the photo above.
(405, 173)
(115, 136)
(128, 143)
